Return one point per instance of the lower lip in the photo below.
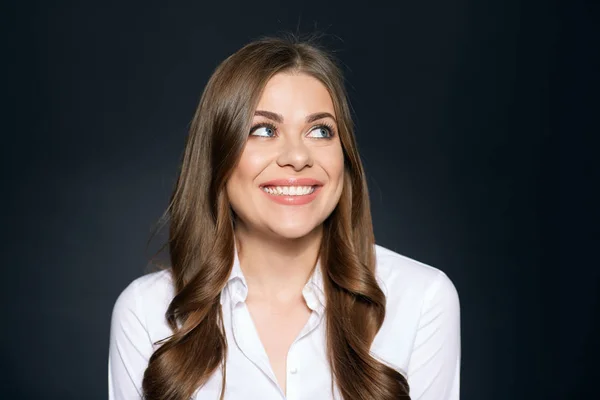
(293, 200)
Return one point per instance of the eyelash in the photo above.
(269, 125)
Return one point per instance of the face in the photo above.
(290, 175)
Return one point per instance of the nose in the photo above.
(295, 153)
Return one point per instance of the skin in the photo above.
(278, 244)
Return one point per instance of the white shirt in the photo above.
(420, 336)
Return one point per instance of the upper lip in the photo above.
(293, 182)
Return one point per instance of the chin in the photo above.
(293, 231)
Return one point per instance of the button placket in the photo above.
(292, 369)
(247, 340)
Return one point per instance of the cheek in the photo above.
(255, 158)
(242, 181)
(250, 165)
(332, 161)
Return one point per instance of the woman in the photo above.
(276, 288)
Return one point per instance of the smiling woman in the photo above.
(276, 288)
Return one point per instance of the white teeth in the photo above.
(289, 190)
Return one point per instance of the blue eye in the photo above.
(321, 131)
(263, 130)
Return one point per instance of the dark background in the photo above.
(475, 119)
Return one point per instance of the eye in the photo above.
(321, 131)
(263, 130)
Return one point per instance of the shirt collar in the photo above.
(237, 288)
(314, 292)
(236, 285)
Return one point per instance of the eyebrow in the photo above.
(279, 118)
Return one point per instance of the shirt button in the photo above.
(294, 370)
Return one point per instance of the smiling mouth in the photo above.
(289, 190)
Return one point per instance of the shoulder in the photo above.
(413, 280)
(145, 299)
(420, 300)
(147, 289)
(138, 324)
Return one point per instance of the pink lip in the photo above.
(293, 200)
(293, 182)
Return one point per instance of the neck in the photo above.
(277, 269)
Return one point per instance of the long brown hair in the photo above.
(201, 235)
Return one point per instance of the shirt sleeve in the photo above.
(130, 347)
(434, 366)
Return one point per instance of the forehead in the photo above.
(295, 94)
